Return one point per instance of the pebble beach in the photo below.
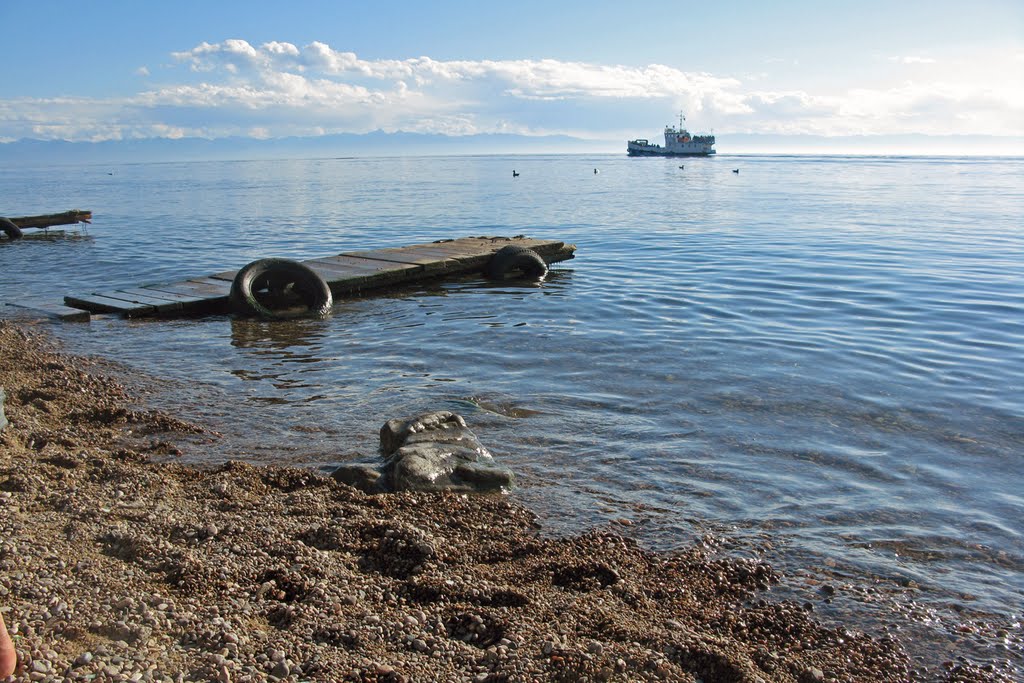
(117, 564)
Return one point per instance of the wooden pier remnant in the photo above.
(347, 274)
(12, 227)
(51, 219)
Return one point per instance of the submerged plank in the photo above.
(56, 311)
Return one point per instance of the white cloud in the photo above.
(277, 88)
(912, 59)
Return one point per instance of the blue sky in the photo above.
(105, 69)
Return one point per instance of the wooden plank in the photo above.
(408, 255)
(363, 264)
(340, 274)
(485, 247)
(463, 251)
(493, 244)
(142, 299)
(429, 253)
(344, 279)
(97, 303)
(194, 288)
(50, 219)
(228, 275)
(209, 281)
(56, 311)
(345, 275)
(171, 297)
(158, 305)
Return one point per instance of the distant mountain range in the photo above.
(379, 143)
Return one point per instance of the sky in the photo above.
(112, 70)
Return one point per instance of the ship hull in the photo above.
(664, 153)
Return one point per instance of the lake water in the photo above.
(819, 360)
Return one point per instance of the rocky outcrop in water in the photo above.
(430, 452)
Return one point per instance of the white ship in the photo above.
(678, 143)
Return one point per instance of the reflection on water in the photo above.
(819, 359)
(279, 336)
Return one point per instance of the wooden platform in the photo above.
(347, 274)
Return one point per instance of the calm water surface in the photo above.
(818, 358)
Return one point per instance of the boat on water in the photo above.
(678, 143)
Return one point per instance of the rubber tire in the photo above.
(277, 274)
(12, 230)
(508, 260)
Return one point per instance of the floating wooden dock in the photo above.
(349, 273)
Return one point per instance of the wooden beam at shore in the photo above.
(51, 219)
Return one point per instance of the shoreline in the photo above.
(113, 567)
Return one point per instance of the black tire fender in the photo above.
(12, 230)
(515, 261)
(278, 275)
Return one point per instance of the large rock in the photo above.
(430, 452)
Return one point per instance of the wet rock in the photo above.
(431, 452)
(437, 451)
(358, 475)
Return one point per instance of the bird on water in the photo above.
(514, 174)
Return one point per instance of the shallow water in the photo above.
(819, 358)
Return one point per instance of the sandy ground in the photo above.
(113, 567)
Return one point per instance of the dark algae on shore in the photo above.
(116, 564)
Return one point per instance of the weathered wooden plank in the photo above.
(172, 297)
(56, 311)
(228, 275)
(425, 254)
(47, 220)
(429, 262)
(346, 274)
(160, 305)
(193, 288)
(332, 273)
(493, 244)
(480, 249)
(98, 303)
(343, 279)
(363, 264)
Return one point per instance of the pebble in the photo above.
(265, 562)
(280, 670)
(814, 673)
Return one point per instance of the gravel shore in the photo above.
(117, 568)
